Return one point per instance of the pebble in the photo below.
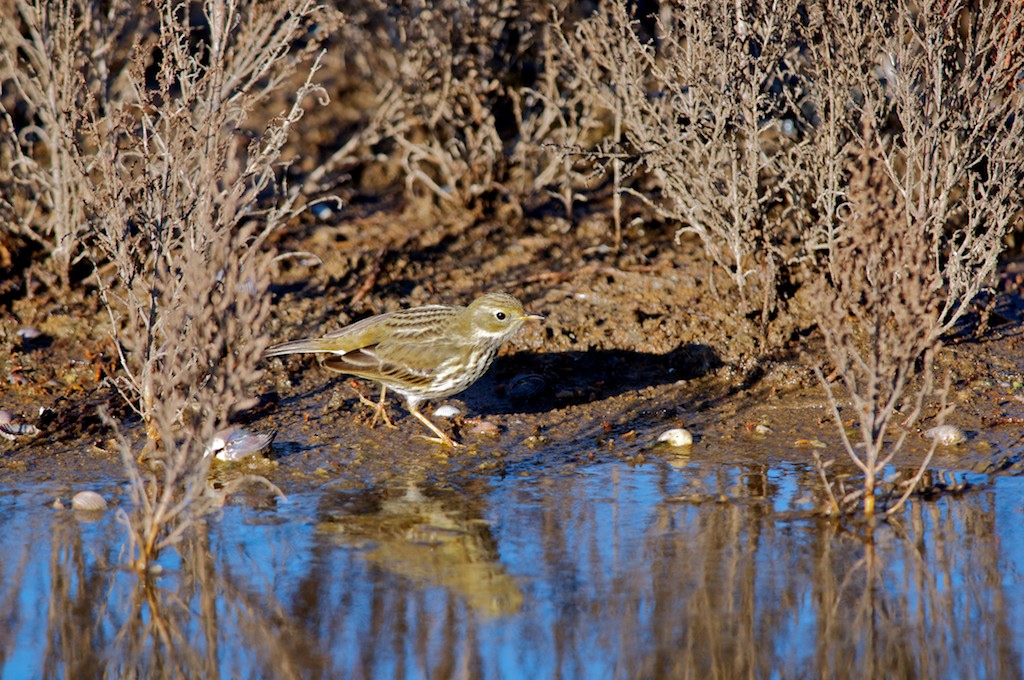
(446, 411)
(946, 435)
(89, 501)
(16, 377)
(676, 437)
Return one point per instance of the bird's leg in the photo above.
(380, 411)
(441, 437)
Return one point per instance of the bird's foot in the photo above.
(441, 438)
(445, 441)
(380, 411)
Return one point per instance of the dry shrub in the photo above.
(59, 62)
(700, 109)
(934, 191)
(437, 104)
(554, 116)
(738, 120)
(467, 94)
(185, 182)
(174, 173)
(880, 315)
(741, 122)
(936, 86)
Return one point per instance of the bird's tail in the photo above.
(296, 347)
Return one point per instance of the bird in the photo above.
(421, 353)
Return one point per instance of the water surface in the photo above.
(672, 568)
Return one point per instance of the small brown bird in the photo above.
(422, 353)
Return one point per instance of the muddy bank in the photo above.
(632, 344)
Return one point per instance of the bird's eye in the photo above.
(500, 316)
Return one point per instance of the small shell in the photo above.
(446, 411)
(676, 437)
(946, 435)
(29, 333)
(526, 386)
(88, 501)
(233, 444)
(14, 430)
(17, 377)
(485, 427)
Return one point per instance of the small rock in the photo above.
(14, 430)
(322, 210)
(676, 438)
(17, 377)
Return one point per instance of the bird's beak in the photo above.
(533, 317)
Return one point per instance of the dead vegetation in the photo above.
(174, 184)
(874, 151)
(881, 314)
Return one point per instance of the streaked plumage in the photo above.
(421, 353)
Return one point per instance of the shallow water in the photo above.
(672, 568)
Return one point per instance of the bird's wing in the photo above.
(402, 325)
(395, 362)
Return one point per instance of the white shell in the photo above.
(89, 501)
(446, 411)
(14, 430)
(946, 435)
(233, 444)
(676, 437)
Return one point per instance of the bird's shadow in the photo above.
(528, 382)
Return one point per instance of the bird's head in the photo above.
(497, 315)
